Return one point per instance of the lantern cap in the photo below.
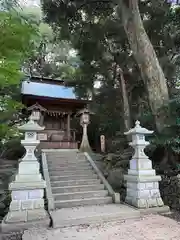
(31, 126)
(138, 130)
(84, 110)
(37, 106)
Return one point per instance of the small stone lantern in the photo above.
(37, 113)
(84, 121)
(27, 194)
(142, 181)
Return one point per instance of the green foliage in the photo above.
(16, 44)
(169, 138)
(12, 149)
(51, 58)
(95, 31)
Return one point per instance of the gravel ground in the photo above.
(151, 227)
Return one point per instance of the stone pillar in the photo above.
(84, 121)
(41, 120)
(142, 181)
(27, 191)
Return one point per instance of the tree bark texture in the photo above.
(126, 108)
(146, 58)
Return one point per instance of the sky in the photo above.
(30, 2)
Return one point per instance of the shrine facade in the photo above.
(56, 105)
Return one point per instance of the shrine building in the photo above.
(57, 105)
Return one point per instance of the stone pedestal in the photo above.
(142, 181)
(85, 147)
(27, 190)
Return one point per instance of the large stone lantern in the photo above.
(27, 191)
(85, 121)
(142, 181)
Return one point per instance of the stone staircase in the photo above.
(73, 181)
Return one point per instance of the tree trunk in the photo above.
(126, 109)
(146, 59)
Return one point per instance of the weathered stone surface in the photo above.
(16, 216)
(15, 205)
(13, 236)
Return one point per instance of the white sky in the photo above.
(30, 2)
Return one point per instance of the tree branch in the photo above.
(92, 1)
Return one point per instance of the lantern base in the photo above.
(27, 203)
(9, 227)
(143, 191)
(85, 147)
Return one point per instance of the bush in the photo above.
(12, 150)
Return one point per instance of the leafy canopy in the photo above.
(16, 44)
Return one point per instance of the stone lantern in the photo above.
(84, 121)
(142, 181)
(27, 190)
(37, 113)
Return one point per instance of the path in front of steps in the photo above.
(151, 227)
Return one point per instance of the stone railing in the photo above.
(48, 189)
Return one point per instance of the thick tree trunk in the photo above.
(126, 108)
(146, 59)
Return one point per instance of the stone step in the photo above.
(69, 168)
(73, 177)
(6, 170)
(95, 214)
(64, 157)
(55, 154)
(7, 167)
(63, 153)
(70, 173)
(54, 165)
(68, 158)
(75, 182)
(58, 160)
(83, 202)
(67, 163)
(80, 195)
(8, 163)
(78, 188)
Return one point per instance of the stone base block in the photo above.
(143, 194)
(24, 185)
(25, 216)
(160, 210)
(13, 228)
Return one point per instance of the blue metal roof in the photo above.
(47, 90)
